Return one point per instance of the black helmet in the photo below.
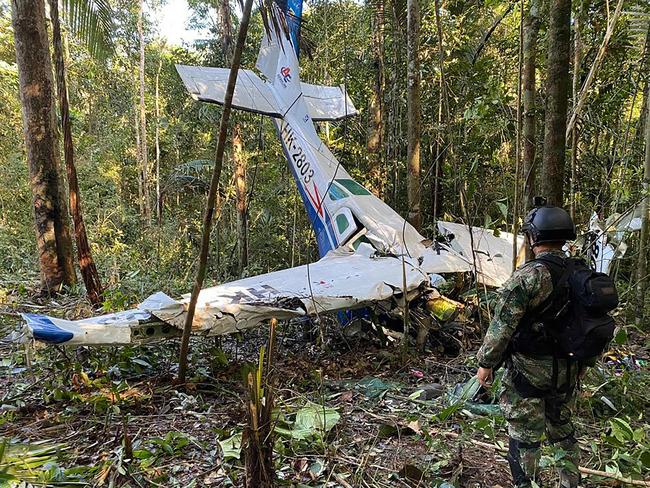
(549, 224)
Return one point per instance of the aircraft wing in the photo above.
(342, 280)
(254, 95)
(209, 85)
(327, 103)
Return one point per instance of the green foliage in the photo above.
(92, 22)
(150, 451)
(29, 463)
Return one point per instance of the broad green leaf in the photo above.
(231, 447)
(311, 420)
(92, 22)
(645, 459)
(503, 208)
(621, 429)
(621, 337)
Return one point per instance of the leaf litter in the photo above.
(354, 415)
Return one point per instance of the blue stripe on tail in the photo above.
(293, 11)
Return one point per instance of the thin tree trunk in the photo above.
(557, 87)
(238, 155)
(36, 96)
(413, 104)
(375, 143)
(225, 25)
(517, 189)
(212, 195)
(158, 201)
(443, 115)
(239, 158)
(642, 278)
(89, 272)
(144, 162)
(645, 66)
(529, 92)
(575, 135)
(486, 36)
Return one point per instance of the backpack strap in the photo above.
(560, 270)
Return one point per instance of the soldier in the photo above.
(538, 389)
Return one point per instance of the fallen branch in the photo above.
(583, 470)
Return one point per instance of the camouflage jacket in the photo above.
(528, 287)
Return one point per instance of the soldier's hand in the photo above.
(484, 376)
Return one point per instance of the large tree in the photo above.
(557, 90)
(36, 96)
(529, 92)
(87, 266)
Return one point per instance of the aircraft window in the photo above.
(342, 223)
(353, 187)
(336, 192)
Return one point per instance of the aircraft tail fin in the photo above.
(277, 59)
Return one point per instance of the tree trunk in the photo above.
(575, 87)
(239, 158)
(531, 30)
(36, 96)
(144, 162)
(240, 189)
(158, 199)
(443, 115)
(212, 195)
(642, 278)
(89, 272)
(557, 88)
(376, 126)
(413, 104)
(138, 151)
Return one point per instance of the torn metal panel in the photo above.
(493, 254)
(629, 221)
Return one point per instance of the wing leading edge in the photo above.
(252, 94)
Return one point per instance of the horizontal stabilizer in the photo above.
(209, 85)
(327, 102)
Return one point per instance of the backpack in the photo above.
(573, 322)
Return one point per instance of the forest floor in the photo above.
(72, 418)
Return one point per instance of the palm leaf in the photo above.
(91, 21)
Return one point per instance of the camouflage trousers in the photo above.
(529, 420)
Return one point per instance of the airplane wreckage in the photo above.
(370, 257)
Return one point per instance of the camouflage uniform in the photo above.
(530, 418)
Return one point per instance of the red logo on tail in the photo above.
(285, 71)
